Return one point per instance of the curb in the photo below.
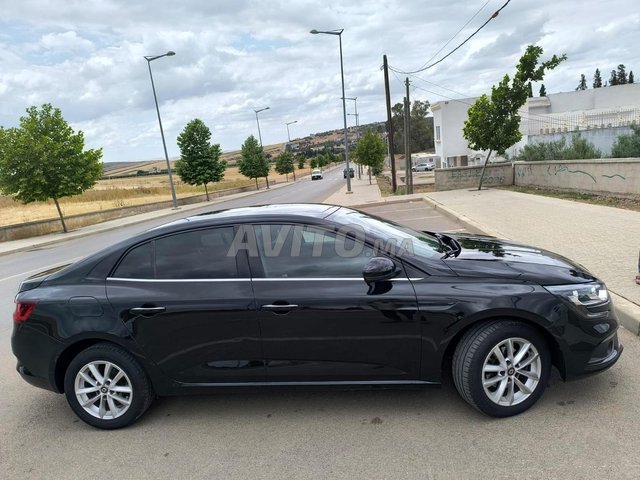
(628, 313)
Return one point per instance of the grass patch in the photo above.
(628, 203)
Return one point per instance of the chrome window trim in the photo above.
(183, 280)
(291, 279)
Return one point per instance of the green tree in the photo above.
(370, 152)
(581, 149)
(621, 75)
(583, 83)
(597, 79)
(397, 116)
(253, 162)
(631, 79)
(613, 79)
(199, 162)
(627, 146)
(494, 122)
(421, 127)
(543, 91)
(284, 165)
(301, 161)
(45, 159)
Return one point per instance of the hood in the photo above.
(489, 256)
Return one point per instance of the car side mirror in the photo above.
(378, 269)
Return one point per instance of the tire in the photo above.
(500, 387)
(108, 404)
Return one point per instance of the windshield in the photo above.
(397, 239)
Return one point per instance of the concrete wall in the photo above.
(607, 176)
(43, 227)
(617, 177)
(469, 177)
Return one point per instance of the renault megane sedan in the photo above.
(300, 295)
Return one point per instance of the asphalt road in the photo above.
(584, 429)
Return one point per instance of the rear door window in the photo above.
(197, 254)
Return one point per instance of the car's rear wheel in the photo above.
(502, 368)
(106, 387)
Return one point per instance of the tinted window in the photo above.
(189, 255)
(138, 263)
(197, 254)
(293, 251)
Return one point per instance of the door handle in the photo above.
(286, 308)
(147, 311)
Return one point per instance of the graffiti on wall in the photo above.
(556, 169)
(471, 174)
(523, 171)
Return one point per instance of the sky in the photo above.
(86, 57)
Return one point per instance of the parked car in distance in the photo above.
(316, 175)
(308, 295)
(348, 171)
(423, 167)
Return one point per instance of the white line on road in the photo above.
(41, 269)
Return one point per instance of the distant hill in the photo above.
(119, 169)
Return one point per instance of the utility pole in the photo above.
(407, 141)
(392, 160)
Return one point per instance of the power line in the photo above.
(526, 116)
(456, 34)
(523, 113)
(495, 14)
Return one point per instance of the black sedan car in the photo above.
(303, 295)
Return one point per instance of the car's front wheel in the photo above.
(502, 368)
(106, 387)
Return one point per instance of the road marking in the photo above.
(41, 269)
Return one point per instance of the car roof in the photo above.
(246, 214)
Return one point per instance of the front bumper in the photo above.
(604, 356)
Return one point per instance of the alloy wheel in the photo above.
(103, 390)
(511, 371)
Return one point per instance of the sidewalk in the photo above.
(362, 193)
(605, 240)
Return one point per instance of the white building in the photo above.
(600, 115)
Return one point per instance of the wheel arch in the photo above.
(557, 358)
(74, 348)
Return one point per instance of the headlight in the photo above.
(585, 295)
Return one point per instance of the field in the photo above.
(120, 192)
(121, 189)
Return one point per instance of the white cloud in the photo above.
(67, 41)
(86, 57)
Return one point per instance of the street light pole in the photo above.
(149, 59)
(287, 124)
(338, 32)
(357, 139)
(289, 138)
(260, 136)
(355, 103)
